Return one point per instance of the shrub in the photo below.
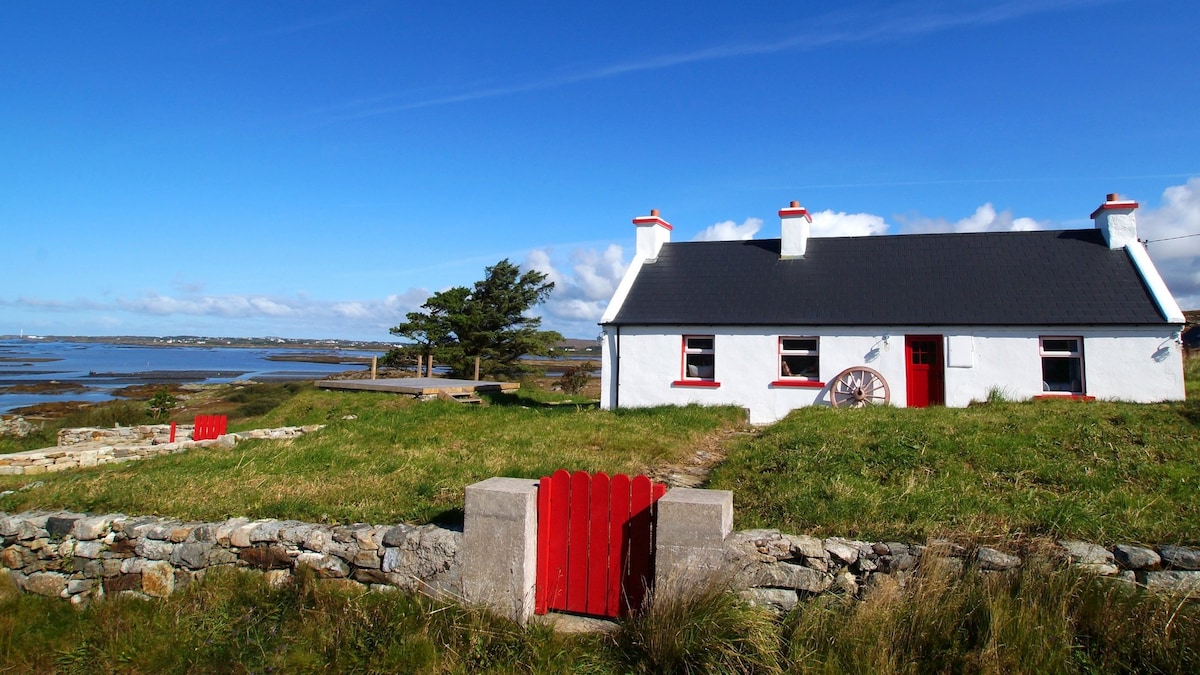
(576, 376)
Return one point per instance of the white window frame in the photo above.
(696, 350)
(784, 353)
(1076, 354)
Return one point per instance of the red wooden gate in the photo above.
(595, 542)
(208, 427)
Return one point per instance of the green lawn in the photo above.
(1106, 472)
(398, 460)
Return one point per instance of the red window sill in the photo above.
(1068, 397)
(807, 384)
(696, 383)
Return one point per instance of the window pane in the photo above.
(799, 366)
(1062, 374)
(700, 343)
(799, 344)
(699, 365)
(1060, 345)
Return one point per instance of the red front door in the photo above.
(926, 384)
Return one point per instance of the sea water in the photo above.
(104, 367)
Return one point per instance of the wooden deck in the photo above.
(420, 386)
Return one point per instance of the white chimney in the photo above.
(1115, 218)
(652, 233)
(794, 225)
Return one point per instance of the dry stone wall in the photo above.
(79, 557)
(777, 570)
(88, 447)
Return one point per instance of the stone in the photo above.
(1174, 581)
(77, 586)
(49, 584)
(266, 531)
(775, 599)
(111, 568)
(59, 526)
(396, 535)
(180, 534)
(191, 554)
(806, 546)
(66, 549)
(278, 578)
(225, 529)
(158, 579)
(219, 556)
(1082, 552)
(88, 529)
(1099, 569)
(786, 575)
(1136, 557)
(367, 558)
(153, 549)
(317, 539)
(240, 536)
(371, 576)
(269, 557)
(864, 565)
(898, 562)
(123, 582)
(89, 549)
(993, 560)
(847, 582)
(325, 566)
(1180, 558)
(818, 564)
(841, 551)
(16, 557)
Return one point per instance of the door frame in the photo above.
(936, 382)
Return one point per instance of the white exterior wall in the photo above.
(1131, 364)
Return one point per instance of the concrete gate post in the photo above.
(500, 546)
(690, 536)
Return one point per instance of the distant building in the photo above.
(936, 319)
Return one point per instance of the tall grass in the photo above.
(1039, 620)
(1102, 471)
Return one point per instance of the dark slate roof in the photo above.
(993, 278)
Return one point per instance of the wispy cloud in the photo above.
(829, 30)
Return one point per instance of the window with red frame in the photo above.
(799, 358)
(699, 361)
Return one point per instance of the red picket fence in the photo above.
(595, 542)
(208, 427)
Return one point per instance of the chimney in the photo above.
(652, 233)
(795, 223)
(1116, 220)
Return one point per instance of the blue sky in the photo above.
(312, 169)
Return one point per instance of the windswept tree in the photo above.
(489, 321)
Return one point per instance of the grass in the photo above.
(1105, 472)
(1036, 621)
(396, 460)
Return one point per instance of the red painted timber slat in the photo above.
(598, 545)
(639, 544)
(541, 601)
(577, 544)
(556, 569)
(618, 552)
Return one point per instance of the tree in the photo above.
(488, 321)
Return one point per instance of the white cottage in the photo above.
(911, 320)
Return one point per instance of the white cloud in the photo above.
(841, 224)
(985, 219)
(580, 296)
(730, 231)
(1178, 260)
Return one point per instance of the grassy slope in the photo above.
(398, 460)
(1103, 471)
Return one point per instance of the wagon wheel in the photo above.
(858, 387)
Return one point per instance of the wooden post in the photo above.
(419, 359)
(476, 368)
(374, 366)
(429, 368)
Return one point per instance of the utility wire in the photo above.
(1182, 236)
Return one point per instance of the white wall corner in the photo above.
(1154, 281)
